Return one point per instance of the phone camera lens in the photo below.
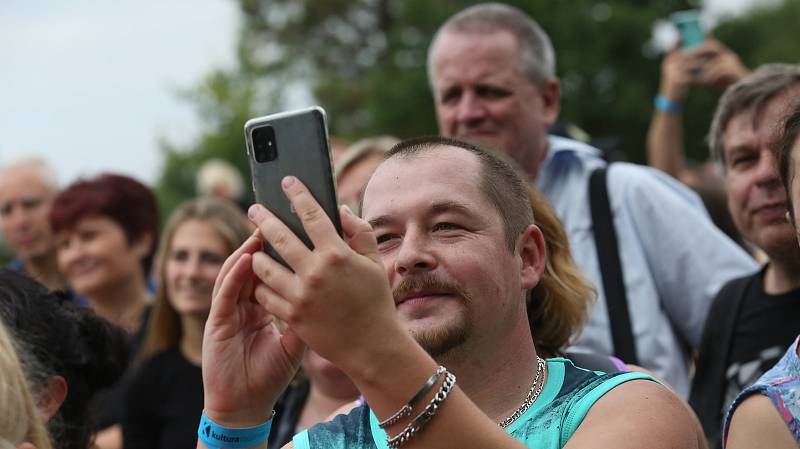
(264, 144)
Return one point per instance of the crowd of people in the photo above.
(494, 286)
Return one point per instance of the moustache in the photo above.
(426, 282)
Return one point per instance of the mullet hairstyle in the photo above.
(229, 222)
(537, 60)
(754, 92)
(784, 155)
(502, 184)
(558, 305)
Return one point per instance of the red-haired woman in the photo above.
(106, 228)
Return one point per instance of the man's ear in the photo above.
(551, 100)
(533, 256)
(54, 395)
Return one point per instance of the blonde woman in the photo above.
(165, 396)
(20, 424)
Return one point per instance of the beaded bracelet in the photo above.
(406, 409)
(426, 415)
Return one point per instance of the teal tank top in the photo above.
(566, 398)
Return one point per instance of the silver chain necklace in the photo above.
(533, 393)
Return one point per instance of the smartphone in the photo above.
(689, 27)
(291, 143)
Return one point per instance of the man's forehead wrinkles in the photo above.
(441, 170)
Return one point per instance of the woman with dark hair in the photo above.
(165, 395)
(106, 228)
(68, 354)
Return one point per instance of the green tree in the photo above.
(760, 37)
(364, 61)
(224, 101)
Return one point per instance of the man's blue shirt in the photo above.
(674, 259)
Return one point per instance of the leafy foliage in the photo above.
(224, 102)
(364, 61)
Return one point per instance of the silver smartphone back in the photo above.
(291, 143)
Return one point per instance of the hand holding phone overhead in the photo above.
(293, 143)
(690, 28)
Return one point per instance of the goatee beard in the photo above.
(441, 340)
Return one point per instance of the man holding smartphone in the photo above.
(436, 273)
(492, 72)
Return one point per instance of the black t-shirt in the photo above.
(163, 403)
(746, 333)
(106, 405)
(766, 326)
(287, 413)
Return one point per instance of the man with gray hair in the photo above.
(492, 72)
(27, 189)
(755, 316)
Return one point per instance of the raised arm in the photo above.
(711, 64)
(665, 136)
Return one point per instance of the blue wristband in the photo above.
(216, 437)
(664, 104)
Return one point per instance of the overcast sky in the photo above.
(91, 85)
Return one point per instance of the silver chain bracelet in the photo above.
(426, 415)
(406, 410)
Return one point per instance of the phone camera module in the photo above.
(264, 145)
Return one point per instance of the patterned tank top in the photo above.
(566, 398)
(782, 385)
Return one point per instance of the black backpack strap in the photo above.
(605, 239)
(707, 395)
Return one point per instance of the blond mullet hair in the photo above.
(558, 305)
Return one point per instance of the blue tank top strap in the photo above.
(566, 398)
(300, 441)
(581, 405)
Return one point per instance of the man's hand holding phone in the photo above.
(720, 66)
(246, 362)
(710, 64)
(335, 296)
